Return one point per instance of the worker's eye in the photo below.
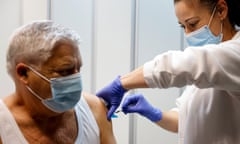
(182, 26)
(192, 25)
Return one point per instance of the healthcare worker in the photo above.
(208, 112)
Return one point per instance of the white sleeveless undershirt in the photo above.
(88, 132)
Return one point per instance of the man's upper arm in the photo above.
(99, 111)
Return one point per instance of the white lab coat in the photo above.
(209, 108)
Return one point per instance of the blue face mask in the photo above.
(66, 92)
(204, 35)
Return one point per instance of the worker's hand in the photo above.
(112, 95)
(136, 103)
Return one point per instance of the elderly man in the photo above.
(48, 105)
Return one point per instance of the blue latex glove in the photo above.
(136, 103)
(112, 94)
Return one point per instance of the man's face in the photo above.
(65, 60)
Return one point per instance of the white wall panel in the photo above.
(10, 19)
(34, 10)
(113, 42)
(158, 32)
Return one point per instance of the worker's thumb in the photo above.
(111, 111)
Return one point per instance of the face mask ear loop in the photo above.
(221, 26)
(34, 93)
(212, 16)
(36, 72)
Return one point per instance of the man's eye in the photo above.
(66, 72)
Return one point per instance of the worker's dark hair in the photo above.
(233, 8)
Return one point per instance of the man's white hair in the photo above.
(32, 43)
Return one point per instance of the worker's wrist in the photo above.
(120, 85)
(122, 81)
(157, 115)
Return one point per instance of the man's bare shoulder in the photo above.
(95, 104)
(99, 111)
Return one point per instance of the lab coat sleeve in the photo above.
(214, 66)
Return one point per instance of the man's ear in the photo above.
(22, 72)
(222, 9)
